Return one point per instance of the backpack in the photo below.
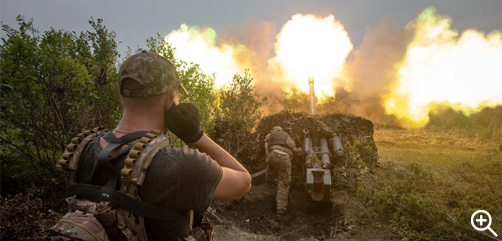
(104, 213)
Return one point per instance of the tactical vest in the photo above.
(105, 210)
(278, 138)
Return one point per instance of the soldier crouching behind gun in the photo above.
(279, 148)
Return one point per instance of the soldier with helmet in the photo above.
(279, 148)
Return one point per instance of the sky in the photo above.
(135, 21)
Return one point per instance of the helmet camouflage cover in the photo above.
(153, 74)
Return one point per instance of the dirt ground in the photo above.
(254, 218)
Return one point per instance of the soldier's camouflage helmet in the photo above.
(276, 128)
(153, 74)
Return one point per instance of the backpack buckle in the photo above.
(106, 195)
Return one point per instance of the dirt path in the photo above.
(255, 214)
(253, 218)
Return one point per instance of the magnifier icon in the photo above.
(480, 220)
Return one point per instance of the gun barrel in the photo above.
(325, 156)
(313, 100)
(337, 147)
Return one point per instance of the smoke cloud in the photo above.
(372, 67)
(258, 39)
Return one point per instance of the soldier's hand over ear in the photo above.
(183, 120)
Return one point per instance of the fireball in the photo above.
(441, 67)
(199, 46)
(312, 47)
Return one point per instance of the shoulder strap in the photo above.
(71, 156)
(104, 159)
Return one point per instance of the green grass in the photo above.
(431, 181)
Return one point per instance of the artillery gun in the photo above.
(317, 163)
(330, 140)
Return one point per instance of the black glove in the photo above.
(183, 120)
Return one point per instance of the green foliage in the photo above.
(100, 64)
(241, 102)
(240, 111)
(53, 86)
(353, 158)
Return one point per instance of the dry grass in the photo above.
(431, 181)
(440, 151)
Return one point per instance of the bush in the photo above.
(53, 86)
(239, 113)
